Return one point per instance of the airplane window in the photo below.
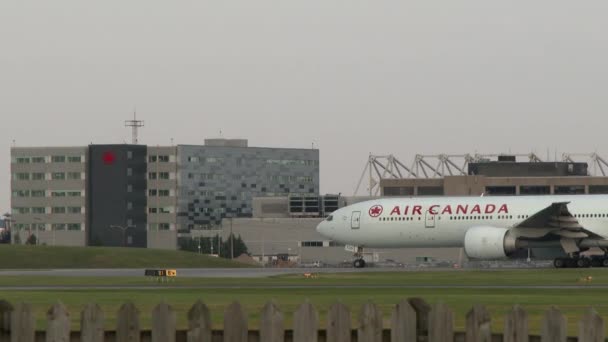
(329, 218)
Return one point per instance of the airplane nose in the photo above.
(320, 228)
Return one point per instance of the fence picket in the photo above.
(235, 324)
(423, 310)
(199, 323)
(58, 324)
(403, 323)
(553, 326)
(6, 310)
(271, 327)
(478, 328)
(516, 325)
(164, 323)
(127, 326)
(91, 324)
(23, 323)
(370, 328)
(441, 323)
(339, 323)
(591, 327)
(305, 324)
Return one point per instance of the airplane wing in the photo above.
(556, 219)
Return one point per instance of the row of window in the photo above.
(159, 226)
(300, 179)
(162, 210)
(159, 193)
(47, 210)
(499, 217)
(590, 215)
(46, 193)
(292, 162)
(159, 175)
(41, 176)
(48, 159)
(159, 158)
(42, 226)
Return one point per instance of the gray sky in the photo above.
(353, 77)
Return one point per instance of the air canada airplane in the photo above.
(558, 227)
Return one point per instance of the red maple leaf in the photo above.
(375, 211)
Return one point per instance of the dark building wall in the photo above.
(533, 169)
(117, 195)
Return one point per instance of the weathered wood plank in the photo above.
(553, 326)
(272, 328)
(164, 323)
(403, 323)
(305, 324)
(235, 324)
(423, 309)
(591, 327)
(516, 325)
(441, 323)
(199, 323)
(58, 324)
(478, 326)
(23, 323)
(6, 310)
(370, 327)
(91, 324)
(127, 324)
(339, 323)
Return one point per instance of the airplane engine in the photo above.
(486, 242)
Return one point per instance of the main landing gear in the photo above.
(581, 262)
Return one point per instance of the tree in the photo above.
(17, 240)
(5, 236)
(31, 240)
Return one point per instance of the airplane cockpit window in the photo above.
(329, 218)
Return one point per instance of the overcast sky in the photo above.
(352, 77)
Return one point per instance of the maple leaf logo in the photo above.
(375, 211)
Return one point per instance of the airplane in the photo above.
(487, 227)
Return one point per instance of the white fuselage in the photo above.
(444, 221)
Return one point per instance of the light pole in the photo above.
(123, 229)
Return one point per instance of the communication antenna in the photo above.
(135, 125)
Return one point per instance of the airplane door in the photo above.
(355, 221)
(429, 222)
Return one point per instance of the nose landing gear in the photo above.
(359, 262)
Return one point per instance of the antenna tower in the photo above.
(135, 125)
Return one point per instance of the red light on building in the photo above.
(109, 158)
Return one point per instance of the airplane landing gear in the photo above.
(575, 262)
(359, 262)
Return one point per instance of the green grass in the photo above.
(572, 302)
(47, 257)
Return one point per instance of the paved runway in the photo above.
(197, 272)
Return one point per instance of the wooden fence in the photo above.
(411, 320)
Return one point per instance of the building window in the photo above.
(166, 210)
(58, 210)
(22, 176)
(38, 193)
(58, 226)
(74, 210)
(151, 175)
(74, 194)
(430, 191)
(74, 175)
(38, 210)
(129, 188)
(152, 192)
(163, 159)
(58, 176)
(570, 190)
(163, 175)
(129, 172)
(75, 159)
(534, 189)
(598, 189)
(74, 226)
(21, 210)
(500, 190)
(22, 160)
(129, 205)
(21, 193)
(58, 193)
(193, 159)
(58, 159)
(152, 159)
(152, 210)
(38, 176)
(38, 160)
(164, 226)
(311, 243)
(163, 193)
(129, 154)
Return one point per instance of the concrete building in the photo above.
(49, 194)
(133, 195)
